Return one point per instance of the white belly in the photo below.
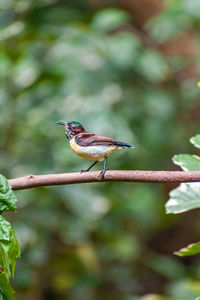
(92, 152)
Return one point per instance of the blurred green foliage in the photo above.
(92, 61)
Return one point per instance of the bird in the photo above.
(90, 145)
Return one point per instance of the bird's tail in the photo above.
(121, 144)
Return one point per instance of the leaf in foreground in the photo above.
(191, 249)
(187, 195)
(7, 196)
(9, 248)
(187, 162)
(9, 252)
(195, 140)
(184, 198)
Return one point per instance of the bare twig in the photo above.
(31, 181)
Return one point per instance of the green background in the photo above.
(127, 69)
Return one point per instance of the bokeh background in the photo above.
(127, 69)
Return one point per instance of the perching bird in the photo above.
(90, 145)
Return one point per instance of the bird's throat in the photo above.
(72, 132)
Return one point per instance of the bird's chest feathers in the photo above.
(91, 152)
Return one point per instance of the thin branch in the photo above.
(31, 181)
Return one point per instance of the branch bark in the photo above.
(31, 181)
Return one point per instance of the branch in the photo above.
(31, 181)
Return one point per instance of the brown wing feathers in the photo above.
(91, 139)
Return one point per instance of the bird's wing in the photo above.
(90, 139)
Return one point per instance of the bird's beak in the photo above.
(62, 123)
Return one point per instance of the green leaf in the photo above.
(6, 292)
(9, 251)
(184, 198)
(109, 18)
(9, 248)
(7, 196)
(9, 244)
(166, 25)
(187, 162)
(152, 66)
(123, 49)
(195, 140)
(191, 8)
(187, 195)
(191, 249)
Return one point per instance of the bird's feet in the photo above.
(89, 167)
(83, 171)
(103, 172)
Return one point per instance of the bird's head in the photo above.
(72, 128)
